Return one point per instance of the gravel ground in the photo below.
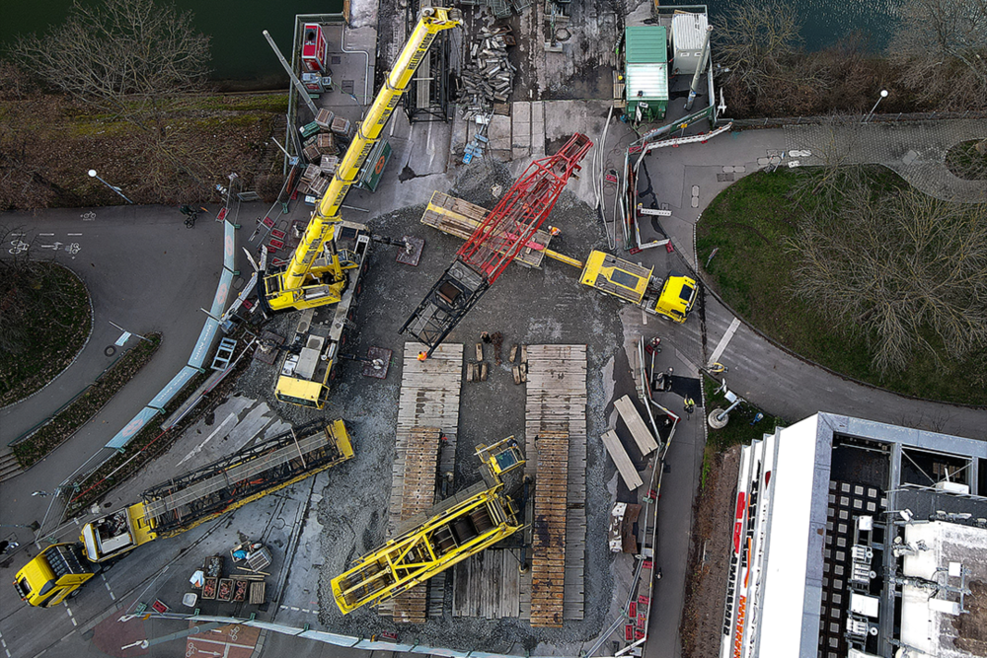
(709, 558)
(525, 306)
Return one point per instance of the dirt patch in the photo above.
(702, 616)
(49, 143)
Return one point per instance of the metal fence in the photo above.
(780, 122)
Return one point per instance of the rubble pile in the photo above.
(488, 77)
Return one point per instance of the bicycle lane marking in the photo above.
(722, 345)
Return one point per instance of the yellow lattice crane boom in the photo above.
(314, 275)
(458, 527)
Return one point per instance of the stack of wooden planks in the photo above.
(428, 409)
(460, 218)
(548, 530)
(487, 585)
(556, 407)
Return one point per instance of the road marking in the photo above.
(722, 345)
(71, 616)
(46, 234)
(230, 643)
(199, 447)
(75, 234)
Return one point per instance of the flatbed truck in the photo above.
(180, 504)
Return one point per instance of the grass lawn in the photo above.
(67, 422)
(749, 224)
(966, 162)
(56, 333)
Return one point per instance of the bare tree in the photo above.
(968, 160)
(832, 143)
(940, 47)
(131, 58)
(900, 270)
(756, 41)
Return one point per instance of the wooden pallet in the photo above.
(556, 408)
(460, 218)
(428, 409)
(487, 585)
(548, 530)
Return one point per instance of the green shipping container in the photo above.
(373, 168)
(646, 71)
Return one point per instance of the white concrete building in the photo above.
(853, 538)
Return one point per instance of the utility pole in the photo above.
(699, 70)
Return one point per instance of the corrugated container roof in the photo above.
(688, 31)
(646, 44)
(650, 79)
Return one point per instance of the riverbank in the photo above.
(52, 142)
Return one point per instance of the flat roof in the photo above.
(926, 624)
(646, 44)
(792, 583)
(782, 582)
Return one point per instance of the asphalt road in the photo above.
(145, 272)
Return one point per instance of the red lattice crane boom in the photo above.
(522, 210)
(495, 243)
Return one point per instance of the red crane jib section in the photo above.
(521, 212)
(494, 244)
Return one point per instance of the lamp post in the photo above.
(867, 117)
(92, 174)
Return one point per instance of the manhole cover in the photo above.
(347, 86)
(335, 59)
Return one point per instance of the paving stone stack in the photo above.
(489, 76)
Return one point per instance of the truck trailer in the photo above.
(181, 504)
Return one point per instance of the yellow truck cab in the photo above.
(672, 298)
(111, 536)
(54, 574)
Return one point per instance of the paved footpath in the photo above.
(145, 272)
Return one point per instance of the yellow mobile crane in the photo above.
(459, 527)
(671, 298)
(181, 504)
(315, 274)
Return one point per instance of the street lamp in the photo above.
(867, 117)
(92, 174)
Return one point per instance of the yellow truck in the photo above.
(672, 298)
(181, 504)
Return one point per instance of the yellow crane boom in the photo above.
(311, 280)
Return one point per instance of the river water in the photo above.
(240, 52)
